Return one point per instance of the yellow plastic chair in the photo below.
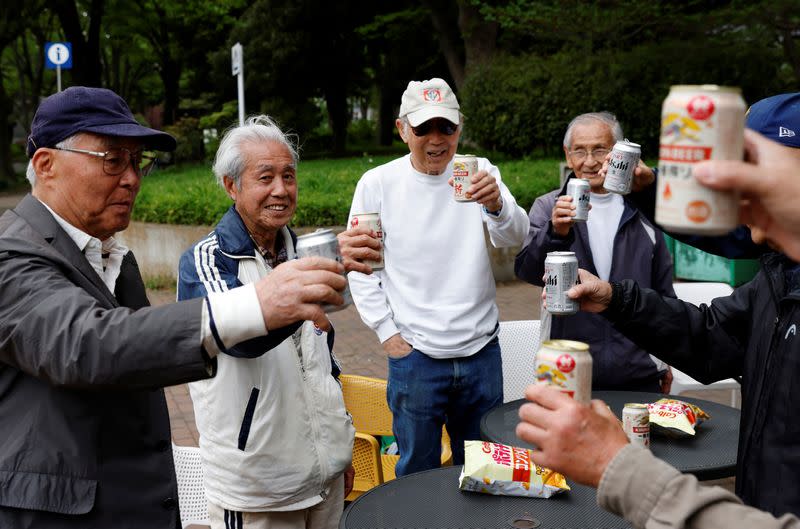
(365, 399)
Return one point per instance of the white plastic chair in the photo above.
(191, 492)
(518, 341)
(697, 294)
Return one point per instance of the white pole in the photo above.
(58, 76)
(240, 83)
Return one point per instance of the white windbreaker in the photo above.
(274, 432)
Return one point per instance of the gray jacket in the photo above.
(651, 494)
(85, 436)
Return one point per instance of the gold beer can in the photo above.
(465, 166)
(567, 365)
(373, 222)
(704, 122)
(636, 423)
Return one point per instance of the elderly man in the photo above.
(433, 306)
(275, 437)
(85, 439)
(616, 242)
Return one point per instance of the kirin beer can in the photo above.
(636, 423)
(323, 243)
(567, 365)
(373, 222)
(465, 166)
(698, 123)
(560, 274)
(579, 189)
(624, 159)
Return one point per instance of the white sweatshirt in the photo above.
(437, 289)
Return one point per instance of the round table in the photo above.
(709, 454)
(432, 500)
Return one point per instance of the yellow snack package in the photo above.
(503, 470)
(675, 417)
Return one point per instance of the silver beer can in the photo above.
(624, 159)
(465, 166)
(636, 423)
(579, 190)
(560, 274)
(567, 365)
(698, 123)
(373, 222)
(323, 243)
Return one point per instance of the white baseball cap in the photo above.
(424, 100)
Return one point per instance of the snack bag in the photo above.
(504, 470)
(675, 417)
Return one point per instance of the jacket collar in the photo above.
(234, 239)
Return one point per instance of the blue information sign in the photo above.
(58, 54)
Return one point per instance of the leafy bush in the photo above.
(190, 195)
(189, 135)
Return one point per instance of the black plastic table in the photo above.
(710, 454)
(432, 500)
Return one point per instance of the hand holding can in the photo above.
(324, 243)
(465, 166)
(371, 221)
(622, 162)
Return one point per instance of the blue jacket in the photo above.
(750, 334)
(639, 254)
(231, 243)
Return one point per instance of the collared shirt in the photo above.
(233, 316)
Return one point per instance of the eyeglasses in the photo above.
(597, 154)
(117, 159)
(444, 126)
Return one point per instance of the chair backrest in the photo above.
(191, 491)
(365, 399)
(517, 346)
(698, 293)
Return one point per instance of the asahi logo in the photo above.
(619, 165)
(583, 198)
(552, 281)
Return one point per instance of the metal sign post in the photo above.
(237, 69)
(58, 55)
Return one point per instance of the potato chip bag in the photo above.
(503, 470)
(675, 417)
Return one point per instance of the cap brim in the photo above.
(152, 138)
(433, 111)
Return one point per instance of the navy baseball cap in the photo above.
(95, 110)
(777, 118)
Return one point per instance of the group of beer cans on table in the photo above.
(697, 123)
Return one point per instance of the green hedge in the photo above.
(190, 194)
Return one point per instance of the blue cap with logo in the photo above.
(777, 118)
(86, 109)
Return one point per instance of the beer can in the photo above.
(323, 243)
(624, 159)
(698, 123)
(636, 423)
(579, 190)
(465, 166)
(373, 222)
(567, 365)
(560, 274)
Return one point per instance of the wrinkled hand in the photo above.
(396, 347)
(349, 478)
(770, 186)
(563, 215)
(593, 293)
(484, 190)
(643, 177)
(575, 439)
(357, 245)
(666, 381)
(295, 289)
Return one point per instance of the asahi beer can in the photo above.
(624, 159)
(465, 166)
(324, 244)
(567, 365)
(698, 123)
(579, 190)
(636, 423)
(373, 222)
(560, 274)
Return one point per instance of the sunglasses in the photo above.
(444, 126)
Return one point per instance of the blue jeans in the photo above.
(425, 393)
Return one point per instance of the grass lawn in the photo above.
(190, 194)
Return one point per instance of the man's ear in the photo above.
(401, 129)
(43, 164)
(230, 187)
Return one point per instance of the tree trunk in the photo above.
(386, 113)
(480, 36)
(86, 67)
(171, 76)
(449, 37)
(336, 99)
(7, 175)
